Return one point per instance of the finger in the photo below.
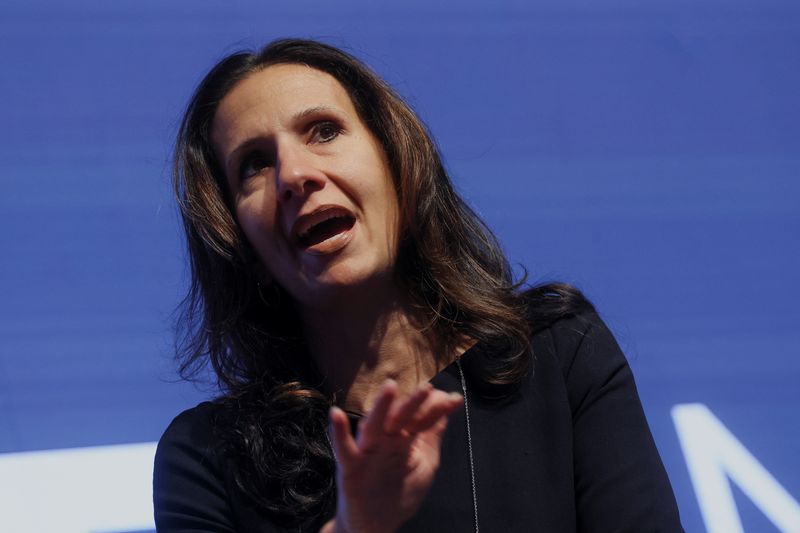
(398, 418)
(344, 446)
(440, 404)
(372, 429)
(433, 437)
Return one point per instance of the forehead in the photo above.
(272, 96)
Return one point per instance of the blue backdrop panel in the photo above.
(647, 153)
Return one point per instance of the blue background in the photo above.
(647, 152)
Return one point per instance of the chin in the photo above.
(338, 286)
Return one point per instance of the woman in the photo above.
(337, 277)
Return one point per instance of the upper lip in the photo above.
(306, 221)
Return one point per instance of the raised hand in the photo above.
(383, 476)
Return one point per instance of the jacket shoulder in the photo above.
(189, 484)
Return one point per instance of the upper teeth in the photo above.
(316, 219)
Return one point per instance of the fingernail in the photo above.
(427, 387)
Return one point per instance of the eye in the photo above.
(325, 131)
(253, 164)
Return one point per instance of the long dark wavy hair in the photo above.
(273, 416)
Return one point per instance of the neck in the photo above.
(359, 345)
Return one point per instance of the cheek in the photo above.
(375, 182)
(257, 221)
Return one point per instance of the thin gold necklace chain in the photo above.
(469, 447)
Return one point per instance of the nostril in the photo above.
(286, 195)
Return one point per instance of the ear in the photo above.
(255, 267)
(263, 277)
(270, 294)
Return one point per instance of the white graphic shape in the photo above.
(82, 490)
(713, 454)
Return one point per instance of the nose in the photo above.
(297, 174)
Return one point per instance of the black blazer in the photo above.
(569, 450)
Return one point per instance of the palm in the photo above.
(384, 474)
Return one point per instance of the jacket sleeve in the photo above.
(620, 482)
(189, 493)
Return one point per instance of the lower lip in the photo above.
(332, 244)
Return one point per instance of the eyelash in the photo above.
(317, 128)
(246, 169)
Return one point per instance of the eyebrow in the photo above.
(300, 115)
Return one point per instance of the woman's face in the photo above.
(310, 184)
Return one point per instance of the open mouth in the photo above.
(322, 225)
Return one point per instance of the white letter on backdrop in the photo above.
(712, 452)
